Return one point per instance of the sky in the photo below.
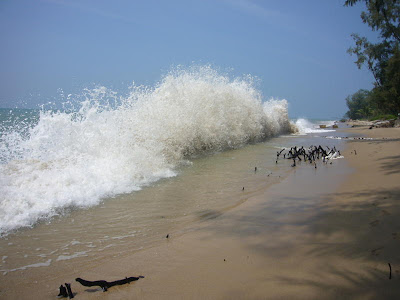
(297, 49)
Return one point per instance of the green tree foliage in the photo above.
(359, 105)
(381, 58)
(391, 86)
(382, 16)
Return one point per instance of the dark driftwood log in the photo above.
(105, 284)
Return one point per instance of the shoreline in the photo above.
(309, 236)
(320, 244)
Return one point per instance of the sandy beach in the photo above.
(325, 233)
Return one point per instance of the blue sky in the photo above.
(296, 48)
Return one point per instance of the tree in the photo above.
(381, 58)
(382, 16)
(359, 105)
(386, 97)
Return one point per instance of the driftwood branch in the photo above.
(107, 284)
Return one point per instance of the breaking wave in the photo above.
(305, 126)
(111, 144)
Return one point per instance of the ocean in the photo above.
(118, 173)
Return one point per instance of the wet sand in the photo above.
(325, 233)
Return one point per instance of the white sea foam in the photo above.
(37, 265)
(304, 126)
(334, 155)
(75, 255)
(103, 149)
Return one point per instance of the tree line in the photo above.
(381, 58)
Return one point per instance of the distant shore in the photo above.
(325, 233)
(375, 123)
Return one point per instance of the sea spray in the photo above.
(103, 148)
(305, 126)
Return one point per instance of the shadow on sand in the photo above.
(344, 245)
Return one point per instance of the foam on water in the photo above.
(103, 149)
(305, 126)
(36, 265)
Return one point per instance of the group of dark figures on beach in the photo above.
(311, 154)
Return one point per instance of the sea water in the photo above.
(121, 172)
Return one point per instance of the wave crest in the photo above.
(104, 148)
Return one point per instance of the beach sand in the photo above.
(325, 233)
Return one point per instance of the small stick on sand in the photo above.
(390, 271)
